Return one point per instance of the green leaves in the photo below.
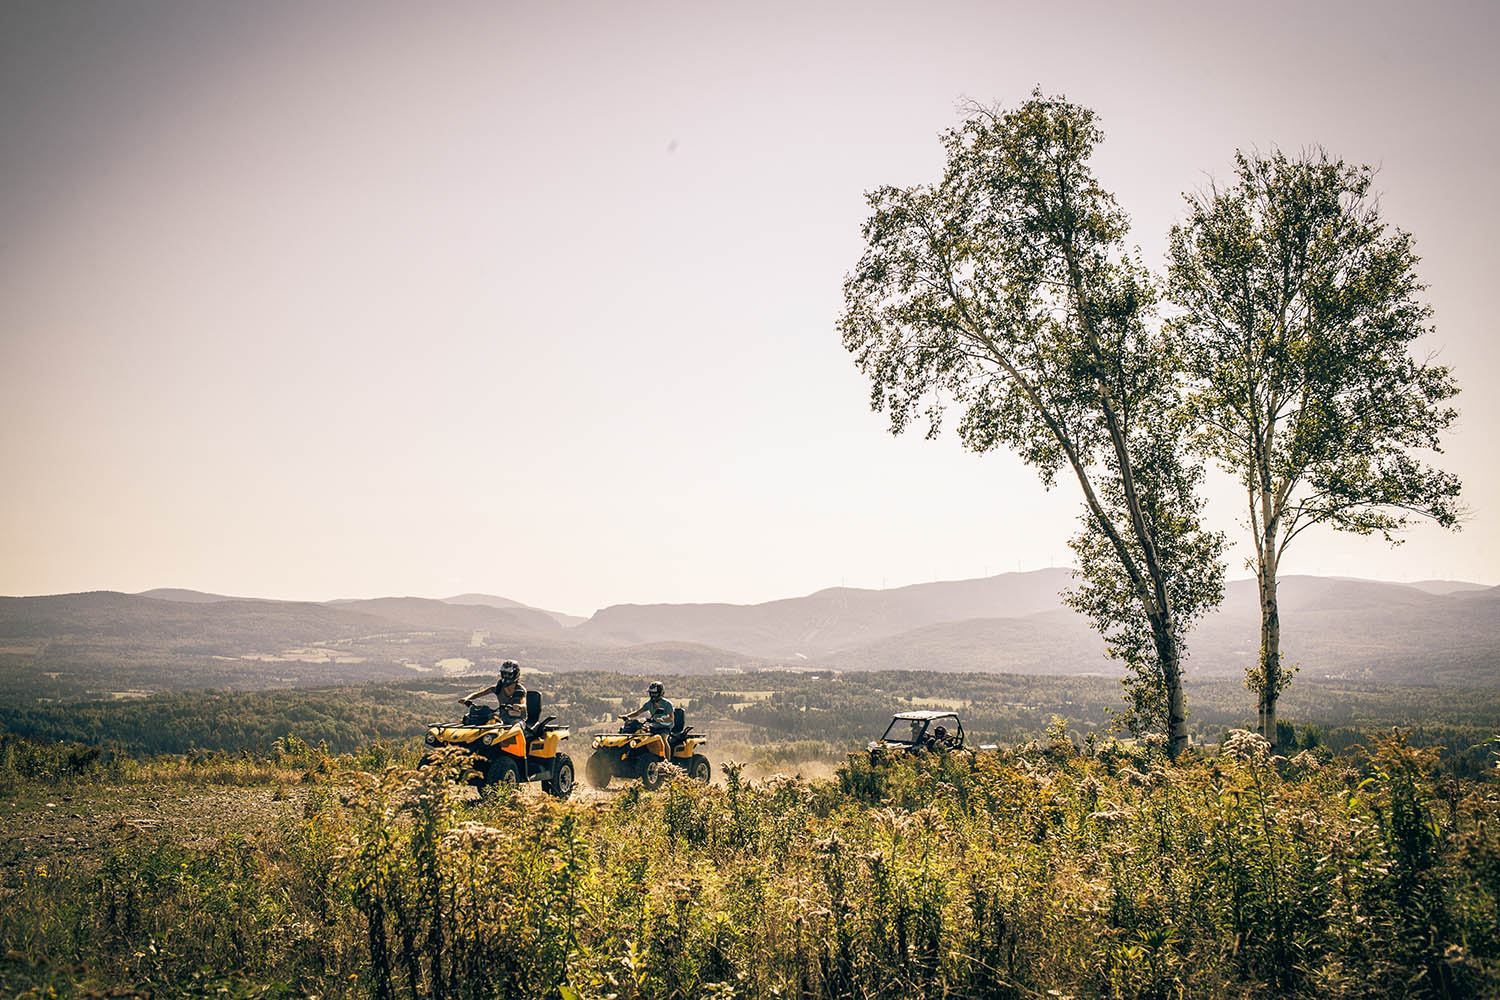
(1299, 309)
(1004, 290)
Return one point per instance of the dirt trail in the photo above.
(78, 827)
(51, 827)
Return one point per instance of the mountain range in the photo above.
(76, 645)
(830, 620)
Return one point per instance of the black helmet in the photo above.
(654, 689)
(510, 670)
(940, 732)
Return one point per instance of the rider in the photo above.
(508, 691)
(657, 710)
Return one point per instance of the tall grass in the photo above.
(1043, 872)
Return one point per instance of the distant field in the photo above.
(941, 704)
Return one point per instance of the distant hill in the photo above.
(829, 620)
(566, 621)
(1362, 629)
(1056, 642)
(421, 613)
(75, 645)
(105, 644)
(217, 626)
(189, 596)
(677, 658)
(1335, 629)
(228, 625)
(400, 613)
(1446, 586)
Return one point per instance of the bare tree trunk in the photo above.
(1171, 673)
(1270, 653)
(1267, 677)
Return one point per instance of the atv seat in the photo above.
(679, 727)
(534, 723)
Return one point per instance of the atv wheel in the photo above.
(599, 771)
(560, 785)
(698, 768)
(653, 773)
(502, 773)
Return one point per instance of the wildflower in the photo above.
(1306, 761)
(1112, 814)
(931, 819)
(1246, 746)
(472, 835)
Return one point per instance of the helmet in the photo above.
(654, 689)
(510, 670)
(940, 732)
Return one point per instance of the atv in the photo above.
(639, 751)
(920, 732)
(508, 753)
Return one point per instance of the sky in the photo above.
(315, 300)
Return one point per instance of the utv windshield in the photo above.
(905, 731)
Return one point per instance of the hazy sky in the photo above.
(314, 300)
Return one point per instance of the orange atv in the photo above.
(508, 753)
(640, 751)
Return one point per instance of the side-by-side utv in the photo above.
(508, 753)
(638, 751)
(921, 732)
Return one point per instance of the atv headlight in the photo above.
(487, 739)
(432, 739)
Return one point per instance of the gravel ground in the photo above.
(76, 826)
(79, 826)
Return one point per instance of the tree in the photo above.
(1004, 289)
(1299, 308)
